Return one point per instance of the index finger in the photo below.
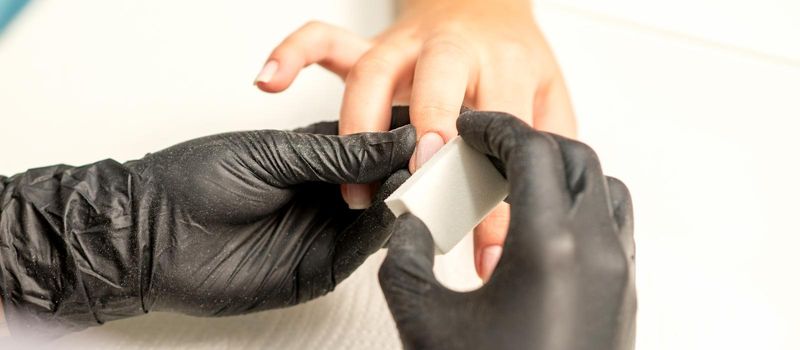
(369, 88)
(367, 102)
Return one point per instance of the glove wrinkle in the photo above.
(51, 222)
(367, 233)
(221, 225)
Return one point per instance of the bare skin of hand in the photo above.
(438, 56)
(3, 326)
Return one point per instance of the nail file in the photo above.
(451, 193)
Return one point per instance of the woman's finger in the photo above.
(334, 48)
(488, 240)
(503, 87)
(367, 103)
(369, 232)
(441, 80)
(370, 85)
(552, 109)
(554, 114)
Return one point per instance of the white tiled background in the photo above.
(694, 104)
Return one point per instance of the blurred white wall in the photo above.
(693, 103)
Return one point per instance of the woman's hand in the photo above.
(438, 56)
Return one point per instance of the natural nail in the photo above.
(428, 145)
(267, 73)
(489, 258)
(358, 196)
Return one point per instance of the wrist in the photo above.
(96, 228)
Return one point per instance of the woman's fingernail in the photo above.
(266, 73)
(345, 194)
(358, 196)
(489, 258)
(427, 146)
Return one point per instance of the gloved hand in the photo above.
(566, 278)
(221, 225)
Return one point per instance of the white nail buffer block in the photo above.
(451, 193)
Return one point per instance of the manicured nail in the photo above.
(489, 258)
(427, 146)
(357, 196)
(266, 73)
(345, 192)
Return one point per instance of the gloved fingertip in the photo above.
(409, 261)
(405, 138)
(411, 235)
(394, 181)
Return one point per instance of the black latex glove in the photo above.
(566, 277)
(221, 225)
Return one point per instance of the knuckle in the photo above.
(617, 187)
(615, 267)
(514, 51)
(559, 254)
(627, 275)
(503, 121)
(314, 26)
(536, 142)
(614, 182)
(449, 45)
(434, 108)
(370, 67)
(315, 32)
(581, 152)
